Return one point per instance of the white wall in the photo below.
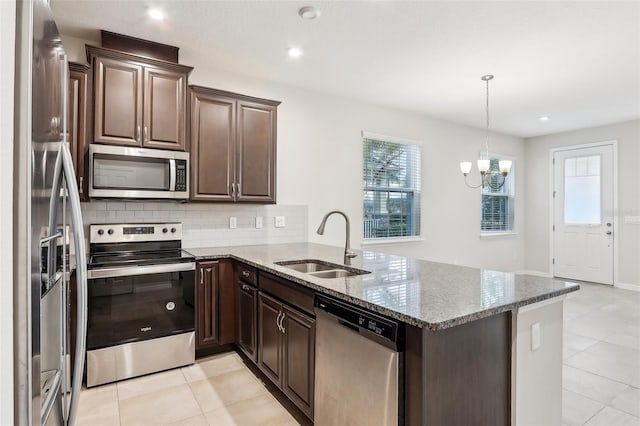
(7, 47)
(537, 187)
(320, 165)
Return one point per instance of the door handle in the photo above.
(608, 223)
(609, 232)
(138, 134)
(146, 134)
(201, 277)
(278, 321)
(81, 185)
(233, 190)
(282, 323)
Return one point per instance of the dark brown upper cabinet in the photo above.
(77, 122)
(138, 101)
(233, 147)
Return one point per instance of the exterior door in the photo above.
(583, 214)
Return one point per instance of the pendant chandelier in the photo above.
(484, 163)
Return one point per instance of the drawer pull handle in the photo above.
(246, 274)
(246, 287)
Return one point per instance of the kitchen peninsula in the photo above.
(466, 356)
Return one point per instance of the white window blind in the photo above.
(391, 189)
(497, 205)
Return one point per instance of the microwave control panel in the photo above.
(181, 175)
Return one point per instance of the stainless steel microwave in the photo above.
(128, 172)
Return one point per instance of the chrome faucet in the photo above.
(348, 253)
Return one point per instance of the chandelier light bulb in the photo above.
(505, 166)
(465, 167)
(483, 165)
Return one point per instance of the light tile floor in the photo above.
(601, 378)
(601, 374)
(219, 390)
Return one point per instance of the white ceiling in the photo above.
(575, 61)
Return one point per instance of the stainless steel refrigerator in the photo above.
(49, 242)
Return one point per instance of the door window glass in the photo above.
(582, 190)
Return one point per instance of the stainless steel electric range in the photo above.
(141, 301)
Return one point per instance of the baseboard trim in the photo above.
(624, 286)
(536, 273)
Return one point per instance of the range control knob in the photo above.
(165, 230)
(100, 231)
(110, 232)
(173, 230)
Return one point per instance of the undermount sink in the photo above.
(321, 269)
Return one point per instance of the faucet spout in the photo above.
(348, 253)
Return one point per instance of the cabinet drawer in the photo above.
(291, 293)
(247, 273)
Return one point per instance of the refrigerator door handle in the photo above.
(81, 280)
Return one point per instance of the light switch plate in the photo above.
(535, 336)
(258, 222)
(280, 222)
(233, 222)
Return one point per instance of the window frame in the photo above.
(415, 190)
(511, 195)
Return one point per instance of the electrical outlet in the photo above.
(233, 222)
(258, 222)
(535, 336)
(280, 222)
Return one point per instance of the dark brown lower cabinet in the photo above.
(215, 308)
(286, 350)
(207, 301)
(298, 378)
(246, 307)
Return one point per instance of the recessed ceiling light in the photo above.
(156, 14)
(544, 118)
(294, 52)
(309, 12)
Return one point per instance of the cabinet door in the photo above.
(270, 338)
(207, 301)
(118, 102)
(256, 155)
(165, 93)
(246, 307)
(213, 141)
(226, 304)
(299, 359)
(77, 121)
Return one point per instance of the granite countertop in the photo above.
(425, 294)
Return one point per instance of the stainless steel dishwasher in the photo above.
(357, 366)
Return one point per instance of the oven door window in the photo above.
(125, 172)
(140, 307)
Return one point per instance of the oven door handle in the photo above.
(140, 270)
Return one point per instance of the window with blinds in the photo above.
(391, 188)
(497, 205)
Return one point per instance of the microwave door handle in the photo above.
(172, 175)
(81, 282)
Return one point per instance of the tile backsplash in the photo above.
(207, 225)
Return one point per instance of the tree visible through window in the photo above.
(391, 185)
(497, 205)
